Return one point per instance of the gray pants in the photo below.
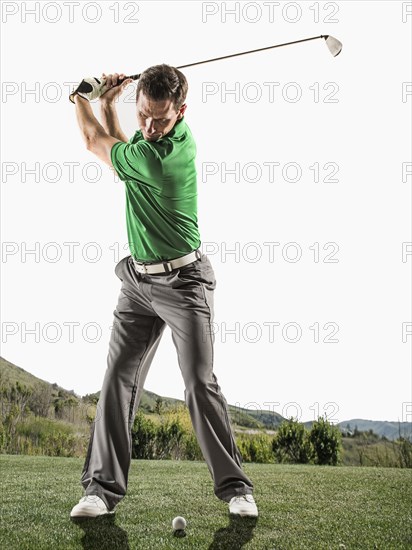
(183, 300)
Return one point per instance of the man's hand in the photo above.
(107, 85)
(112, 87)
(89, 88)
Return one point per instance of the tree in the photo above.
(326, 441)
(40, 399)
(159, 405)
(64, 405)
(91, 398)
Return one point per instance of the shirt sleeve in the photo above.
(135, 161)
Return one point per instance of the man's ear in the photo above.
(182, 111)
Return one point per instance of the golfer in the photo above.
(166, 280)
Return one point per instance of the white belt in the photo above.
(167, 265)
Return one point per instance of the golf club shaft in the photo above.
(137, 76)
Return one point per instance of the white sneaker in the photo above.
(244, 505)
(90, 506)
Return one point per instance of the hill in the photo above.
(150, 402)
(243, 419)
(382, 428)
(10, 374)
(390, 430)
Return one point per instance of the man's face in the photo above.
(156, 118)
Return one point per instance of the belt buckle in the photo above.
(141, 268)
(167, 267)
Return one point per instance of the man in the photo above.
(165, 281)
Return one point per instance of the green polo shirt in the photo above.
(161, 193)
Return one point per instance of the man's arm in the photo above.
(108, 111)
(110, 120)
(97, 140)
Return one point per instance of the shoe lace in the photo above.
(244, 497)
(90, 498)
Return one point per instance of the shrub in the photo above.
(326, 441)
(291, 443)
(191, 449)
(169, 438)
(143, 437)
(255, 448)
(404, 448)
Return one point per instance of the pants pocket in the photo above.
(199, 272)
(118, 268)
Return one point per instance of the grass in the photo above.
(300, 507)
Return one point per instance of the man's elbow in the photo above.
(98, 145)
(91, 142)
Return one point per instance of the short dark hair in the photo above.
(162, 82)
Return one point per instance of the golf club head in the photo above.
(335, 47)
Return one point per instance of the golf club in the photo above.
(95, 87)
(334, 46)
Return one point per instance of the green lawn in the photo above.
(310, 507)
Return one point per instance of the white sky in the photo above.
(351, 125)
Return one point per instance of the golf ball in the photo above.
(179, 523)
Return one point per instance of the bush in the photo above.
(172, 437)
(404, 448)
(143, 437)
(255, 448)
(326, 441)
(291, 443)
(168, 439)
(191, 449)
